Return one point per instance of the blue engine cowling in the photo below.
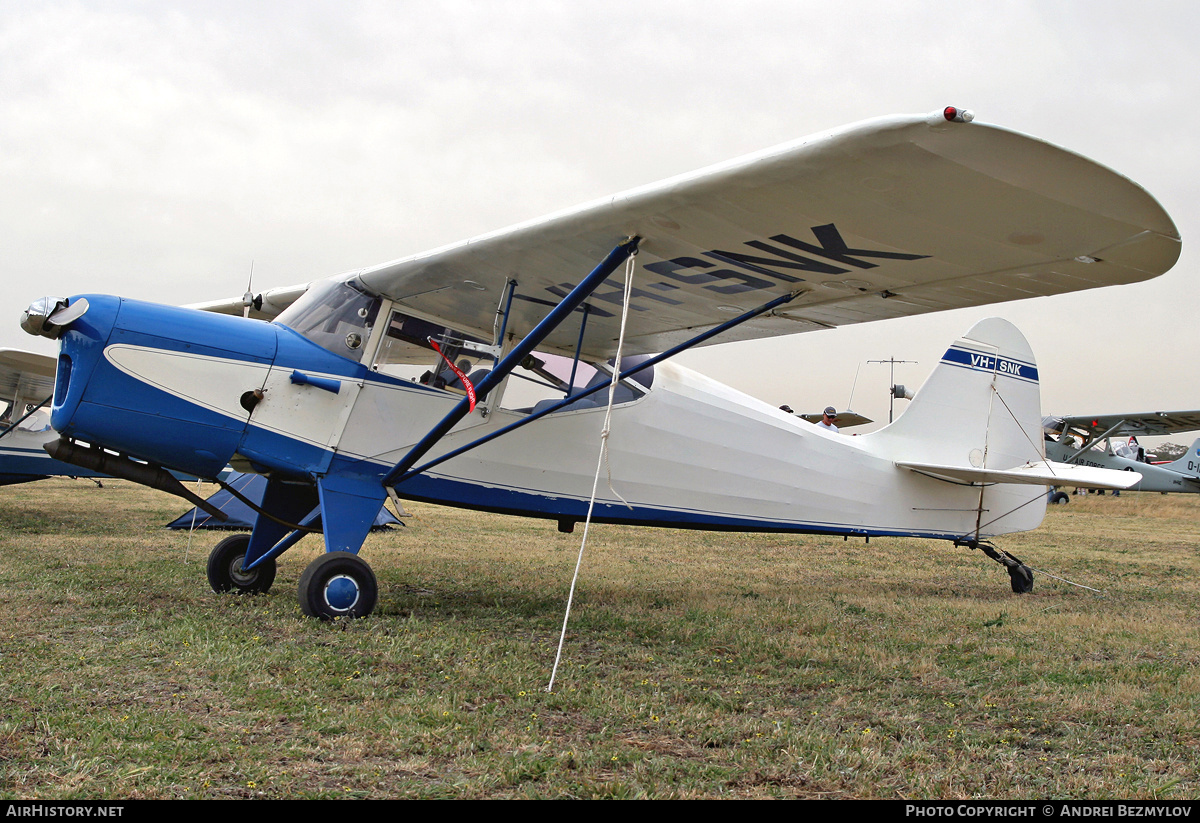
(97, 402)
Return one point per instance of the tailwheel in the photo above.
(338, 584)
(225, 572)
(1021, 578)
(1020, 575)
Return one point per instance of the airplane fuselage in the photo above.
(194, 391)
(1154, 478)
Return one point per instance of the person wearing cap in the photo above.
(828, 419)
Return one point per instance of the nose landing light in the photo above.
(48, 316)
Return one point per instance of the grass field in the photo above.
(696, 665)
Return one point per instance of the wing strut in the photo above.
(574, 398)
(22, 418)
(510, 361)
(1091, 441)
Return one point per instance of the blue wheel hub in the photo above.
(341, 593)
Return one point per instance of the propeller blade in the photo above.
(70, 312)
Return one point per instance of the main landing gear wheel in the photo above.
(1059, 497)
(225, 572)
(338, 584)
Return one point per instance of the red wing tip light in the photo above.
(956, 115)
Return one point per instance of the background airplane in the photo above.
(1103, 441)
(880, 219)
(26, 384)
(845, 419)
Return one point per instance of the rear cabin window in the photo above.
(545, 379)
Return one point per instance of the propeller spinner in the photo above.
(49, 316)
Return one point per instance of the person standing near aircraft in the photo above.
(829, 419)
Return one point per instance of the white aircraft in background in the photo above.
(26, 385)
(1110, 441)
(343, 399)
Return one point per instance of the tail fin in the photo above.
(977, 424)
(980, 408)
(1189, 463)
(976, 420)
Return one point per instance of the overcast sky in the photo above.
(155, 149)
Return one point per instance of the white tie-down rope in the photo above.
(601, 461)
(192, 528)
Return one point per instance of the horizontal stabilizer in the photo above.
(1041, 473)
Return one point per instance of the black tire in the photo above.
(1021, 578)
(338, 584)
(1060, 497)
(225, 572)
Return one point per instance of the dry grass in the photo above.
(697, 664)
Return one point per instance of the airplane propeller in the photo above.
(70, 312)
(49, 316)
(248, 297)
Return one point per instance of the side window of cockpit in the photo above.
(407, 352)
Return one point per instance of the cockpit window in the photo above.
(542, 379)
(337, 316)
(407, 352)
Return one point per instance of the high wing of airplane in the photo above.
(26, 385)
(1095, 440)
(482, 373)
(1142, 424)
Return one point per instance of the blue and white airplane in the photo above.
(343, 399)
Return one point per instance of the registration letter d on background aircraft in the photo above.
(342, 397)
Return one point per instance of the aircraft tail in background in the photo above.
(1189, 463)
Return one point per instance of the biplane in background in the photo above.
(343, 400)
(1110, 441)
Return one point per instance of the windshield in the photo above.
(337, 316)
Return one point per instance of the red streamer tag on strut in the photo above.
(462, 378)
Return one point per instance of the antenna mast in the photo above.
(892, 391)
